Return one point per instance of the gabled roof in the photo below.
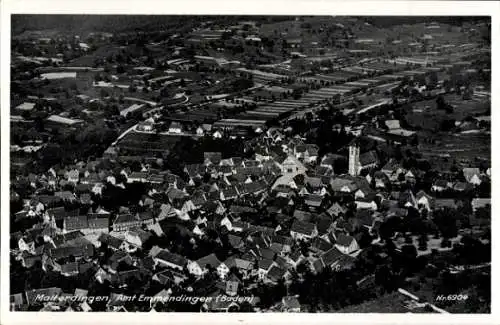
(125, 218)
(303, 227)
(321, 244)
(368, 158)
(275, 273)
(470, 172)
(302, 215)
(208, 260)
(76, 223)
(336, 209)
(110, 240)
(291, 302)
(337, 183)
(265, 263)
(98, 221)
(235, 241)
(171, 258)
(407, 197)
(313, 200)
(331, 256)
(445, 203)
(480, 202)
(344, 240)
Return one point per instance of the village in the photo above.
(236, 165)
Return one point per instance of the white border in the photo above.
(233, 7)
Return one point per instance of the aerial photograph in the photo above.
(267, 164)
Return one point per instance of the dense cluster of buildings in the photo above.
(225, 225)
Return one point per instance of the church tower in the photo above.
(354, 159)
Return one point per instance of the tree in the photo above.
(422, 242)
(446, 222)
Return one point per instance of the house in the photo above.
(212, 158)
(232, 285)
(478, 203)
(366, 203)
(229, 193)
(217, 134)
(292, 166)
(472, 175)
(320, 245)
(243, 265)
(462, 186)
(110, 241)
(303, 230)
(343, 185)
(66, 196)
(424, 200)
(126, 221)
(313, 201)
(69, 269)
(295, 258)
(346, 244)
(328, 259)
(171, 260)
(406, 199)
(175, 127)
(368, 160)
(264, 265)
(306, 152)
(440, 185)
(336, 210)
(137, 177)
(146, 217)
(329, 160)
(235, 241)
(275, 274)
(200, 266)
(146, 126)
(73, 176)
(136, 238)
(75, 223)
(290, 304)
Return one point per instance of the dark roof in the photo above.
(63, 252)
(230, 192)
(276, 273)
(368, 158)
(323, 224)
(171, 258)
(265, 263)
(331, 256)
(313, 200)
(213, 157)
(291, 302)
(110, 240)
(303, 227)
(70, 267)
(209, 259)
(335, 209)
(125, 218)
(344, 240)
(98, 221)
(302, 215)
(59, 213)
(445, 203)
(76, 223)
(321, 244)
(145, 215)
